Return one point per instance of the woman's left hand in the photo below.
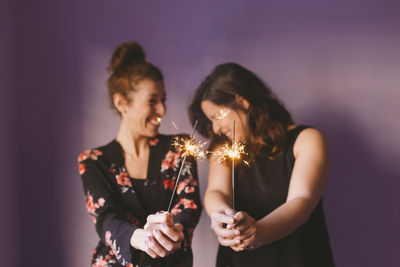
(248, 232)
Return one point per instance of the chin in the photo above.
(152, 134)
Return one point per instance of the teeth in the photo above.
(156, 121)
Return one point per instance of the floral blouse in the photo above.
(117, 210)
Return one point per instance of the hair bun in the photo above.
(126, 55)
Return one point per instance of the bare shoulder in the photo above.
(310, 140)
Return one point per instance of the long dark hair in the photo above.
(268, 119)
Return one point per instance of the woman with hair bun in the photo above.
(128, 182)
(277, 218)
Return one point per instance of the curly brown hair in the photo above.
(268, 119)
(128, 67)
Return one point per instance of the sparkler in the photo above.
(233, 152)
(190, 148)
(233, 166)
(229, 152)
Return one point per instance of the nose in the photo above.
(161, 108)
(216, 127)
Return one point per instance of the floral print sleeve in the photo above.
(110, 220)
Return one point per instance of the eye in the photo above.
(153, 101)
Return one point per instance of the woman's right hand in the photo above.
(160, 236)
(223, 223)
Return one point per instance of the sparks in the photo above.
(189, 147)
(235, 151)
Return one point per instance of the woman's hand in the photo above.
(223, 222)
(246, 225)
(160, 236)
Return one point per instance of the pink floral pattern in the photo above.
(188, 184)
(104, 261)
(186, 203)
(122, 178)
(89, 154)
(175, 210)
(82, 168)
(115, 250)
(153, 142)
(169, 184)
(171, 160)
(92, 206)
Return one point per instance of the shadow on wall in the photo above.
(361, 196)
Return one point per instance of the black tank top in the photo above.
(260, 189)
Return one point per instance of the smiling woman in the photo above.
(277, 219)
(127, 183)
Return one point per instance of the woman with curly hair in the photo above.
(129, 181)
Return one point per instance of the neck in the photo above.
(132, 144)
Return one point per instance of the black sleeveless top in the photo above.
(260, 189)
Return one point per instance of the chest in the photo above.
(137, 167)
(262, 187)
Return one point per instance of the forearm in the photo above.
(215, 200)
(282, 221)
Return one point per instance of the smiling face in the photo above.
(222, 119)
(143, 114)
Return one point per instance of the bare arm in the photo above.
(218, 194)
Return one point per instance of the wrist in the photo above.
(258, 237)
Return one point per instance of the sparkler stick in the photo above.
(189, 146)
(233, 167)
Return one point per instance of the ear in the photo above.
(243, 102)
(120, 103)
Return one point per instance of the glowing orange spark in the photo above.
(189, 147)
(235, 151)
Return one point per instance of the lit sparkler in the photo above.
(234, 155)
(234, 152)
(189, 148)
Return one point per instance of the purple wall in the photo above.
(7, 137)
(335, 65)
